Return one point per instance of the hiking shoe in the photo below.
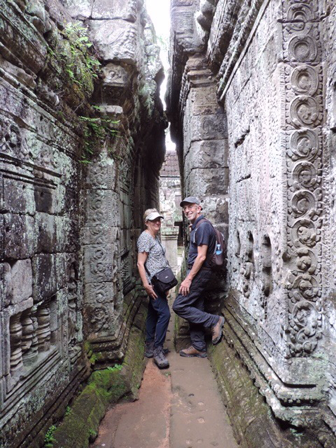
(149, 349)
(192, 352)
(217, 330)
(159, 358)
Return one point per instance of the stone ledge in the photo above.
(253, 421)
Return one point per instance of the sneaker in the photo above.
(159, 358)
(149, 349)
(217, 330)
(192, 352)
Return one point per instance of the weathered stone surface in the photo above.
(21, 280)
(116, 40)
(71, 196)
(262, 62)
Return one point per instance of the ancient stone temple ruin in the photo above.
(81, 145)
(252, 106)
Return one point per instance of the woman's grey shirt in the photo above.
(156, 260)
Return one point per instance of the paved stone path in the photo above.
(179, 407)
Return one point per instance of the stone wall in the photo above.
(81, 145)
(268, 67)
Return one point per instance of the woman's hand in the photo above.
(150, 291)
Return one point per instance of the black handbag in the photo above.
(164, 280)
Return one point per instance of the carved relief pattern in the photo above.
(303, 84)
(101, 235)
(29, 335)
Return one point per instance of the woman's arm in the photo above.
(142, 257)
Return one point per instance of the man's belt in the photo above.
(202, 268)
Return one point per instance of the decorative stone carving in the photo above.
(304, 111)
(15, 344)
(302, 49)
(304, 145)
(304, 80)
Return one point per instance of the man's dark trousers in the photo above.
(191, 308)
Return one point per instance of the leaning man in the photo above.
(189, 304)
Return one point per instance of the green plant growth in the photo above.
(49, 438)
(79, 46)
(72, 58)
(96, 130)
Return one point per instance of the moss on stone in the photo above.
(104, 387)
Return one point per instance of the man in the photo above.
(189, 304)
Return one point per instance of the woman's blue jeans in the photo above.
(157, 320)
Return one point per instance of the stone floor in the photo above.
(179, 407)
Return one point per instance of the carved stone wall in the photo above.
(74, 182)
(272, 64)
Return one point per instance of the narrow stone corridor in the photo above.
(177, 408)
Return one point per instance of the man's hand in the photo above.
(150, 291)
(185, 287)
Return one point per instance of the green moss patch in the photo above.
(80, 425)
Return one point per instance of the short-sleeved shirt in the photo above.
(204, 234)
(156, 260)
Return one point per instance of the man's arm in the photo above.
(198, 263)
(142, 257)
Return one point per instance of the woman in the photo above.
(151, 260)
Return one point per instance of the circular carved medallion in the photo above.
(304, 144)
(302, 202)
(302, 49)
(304, 111)
(305, 175)
(304, 80)
(304, 232)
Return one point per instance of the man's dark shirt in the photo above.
(204, 234)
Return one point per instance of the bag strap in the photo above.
(163, 253)
(208, 256)
(201, 221)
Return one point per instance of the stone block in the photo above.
(101, 293)
(22, 280)
(205, 154)
(44, 272)
(204, 101)
(100, 234)
(6, 285)
(45, 230)
(102, 206)
(115, 40)
(19, 236)
(207, 182)
(43, 199)
(21, 39)
(18, 197)
(216, 209)
(101, 175)
(79, 10)
(98, 263)
(118, 9)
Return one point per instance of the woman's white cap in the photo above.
(154, 215)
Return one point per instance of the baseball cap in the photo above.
(154, 215)
(190, 200)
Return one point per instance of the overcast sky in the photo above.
(159, 11)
